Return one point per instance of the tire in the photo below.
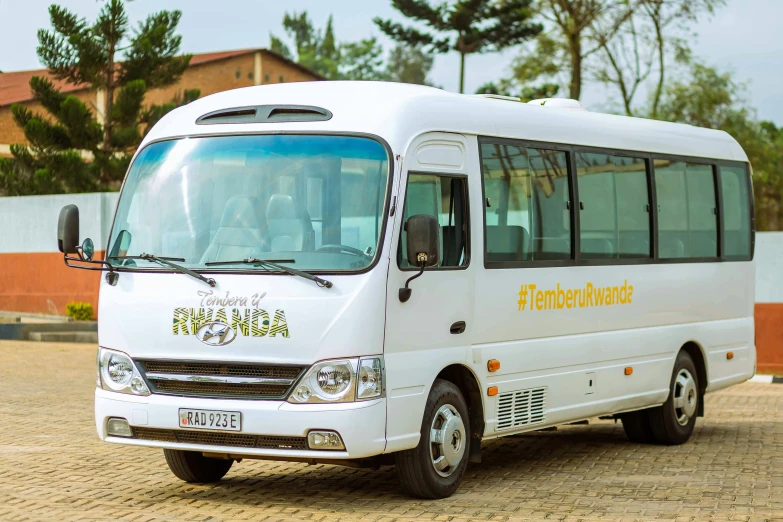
(637, 426)
(417, 467)
(674, 421)
(193, 467)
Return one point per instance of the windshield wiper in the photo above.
(262, 262)
(167, 261)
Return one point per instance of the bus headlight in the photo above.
(341, 380)
(116, 372)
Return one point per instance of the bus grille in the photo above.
(521, 408)
(220, 380)
(237, 440)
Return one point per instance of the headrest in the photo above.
(281, 206)
(239, 212)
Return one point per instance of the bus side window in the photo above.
(736, 212)
(614, 218)
(687, 216)
(526, 194)
(444, 197)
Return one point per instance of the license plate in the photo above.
(210, 420)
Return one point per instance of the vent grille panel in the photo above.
(216, 389)
(521, 408)
(233, 370)
(237, 440)
(191, 379)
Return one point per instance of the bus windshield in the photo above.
(303, 201)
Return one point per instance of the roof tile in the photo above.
(15, 86)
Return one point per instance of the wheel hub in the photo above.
(448, 440)
(686, 397)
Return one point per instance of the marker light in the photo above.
(492, 391)
(493, 365)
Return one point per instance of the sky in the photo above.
(743, 37)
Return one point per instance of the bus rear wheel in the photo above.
(674, 422)
(193, 467)
(434, 468)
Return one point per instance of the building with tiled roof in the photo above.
(208, 72)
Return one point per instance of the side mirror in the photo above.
(68, 230)
(87, 250)
(423, 243)
(423, 246)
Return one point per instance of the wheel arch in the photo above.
(696, 352)
(467, 382)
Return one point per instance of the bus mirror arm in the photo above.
(423, 247)
(405, 292)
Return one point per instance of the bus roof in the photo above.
(399, 112)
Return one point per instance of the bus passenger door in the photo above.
(432, 328)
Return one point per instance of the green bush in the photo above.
(79, 311)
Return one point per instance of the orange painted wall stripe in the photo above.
(769, 338)
(41, 283)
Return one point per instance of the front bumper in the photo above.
(362, 425)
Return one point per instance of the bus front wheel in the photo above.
(193, 467)
(434, 468)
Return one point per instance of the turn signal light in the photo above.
(730, 355)
(493, 365)
(628, 370)
(492, 391)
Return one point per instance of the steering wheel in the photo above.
(343, 248)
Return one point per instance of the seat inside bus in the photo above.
(507, 243)
(239, 234)
(290, 228)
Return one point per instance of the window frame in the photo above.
(387, 202)
(652, 216)
(649, 158)
(573, 223)
(400, 246)
(751, 208)
(713, 164)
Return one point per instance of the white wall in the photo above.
(29, 223)
(769, 267)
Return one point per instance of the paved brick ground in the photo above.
(52, 466)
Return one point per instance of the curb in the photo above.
(767, 379)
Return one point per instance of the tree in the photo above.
(527, 68)
(409, 64)
(641, 48)
(361, 60)
(314, 50)
(709, 98)
(574, 23)
(75, 150)
(467, 26)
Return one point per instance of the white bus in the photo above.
(368, 274)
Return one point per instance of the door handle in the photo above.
(458, 327)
